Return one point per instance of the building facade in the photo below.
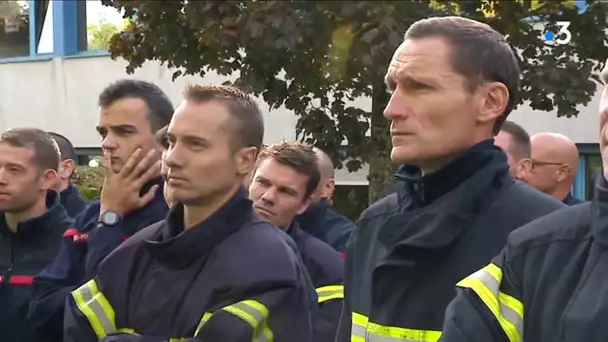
(52, 77)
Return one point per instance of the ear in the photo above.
(493, 99)
(68, 167)
(245, 160)
(330, 186)
(522, 168)
(563, 172)
(304, 206)
(48, 179)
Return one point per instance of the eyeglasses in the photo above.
(543, 163)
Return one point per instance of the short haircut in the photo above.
(46, 151)
(479, 53)
(326, 165)
(522, 147)
(247, 119)
(161, 137)
(298, 156)
(159, 105)
(66, 148)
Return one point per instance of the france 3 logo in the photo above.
(562, 36)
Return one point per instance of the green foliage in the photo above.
(89, 180)
(312, 57)
(98, 35)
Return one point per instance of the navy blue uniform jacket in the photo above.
(549, 284)
(232, 277)
(325, 267)
(81, 251)
(22, 255)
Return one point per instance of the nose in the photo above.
(109, 142)
(269, 196)
(172, 157)
(397, 106)
(3, 178)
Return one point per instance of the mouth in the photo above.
(399, 134)
(175, 180)
(263, 211)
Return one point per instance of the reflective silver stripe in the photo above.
(258, 316)
(506, 312)
(358, 330)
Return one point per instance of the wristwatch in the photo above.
(109, 218)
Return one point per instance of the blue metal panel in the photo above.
(65, 27)
(579, 188)
(32, 20)
(581, 5)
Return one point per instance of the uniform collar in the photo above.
(599, 210)
(38, 226)
(179, 248)
(423, 190)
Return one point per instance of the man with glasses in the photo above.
(554, 163)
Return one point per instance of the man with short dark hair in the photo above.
(319, 219)
(549, 282)
(130, 113)
(456, 202)
(71, 199)
(161, 138)
(212, 270)
(32, 222)
(286, 176)
(515, 142)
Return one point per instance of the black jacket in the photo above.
(72, 201)
(22, 255)
(325, 267)
(571, 200)
(232, 277)
(412, 247)
(320, 221)
(82, 249)
(549, 284)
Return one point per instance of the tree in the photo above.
(314, 56)
(98, 35)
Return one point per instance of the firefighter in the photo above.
(32, 221)
(549, 284)
(130, 112)
(456, 202)
(282, 186)
(212, 270)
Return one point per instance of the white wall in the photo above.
(61, 96)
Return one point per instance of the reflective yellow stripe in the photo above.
(100, 314)
(363, 330)
(330, 292)
(251, 311)
(96, 308)
(508, 311)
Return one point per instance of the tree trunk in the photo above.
(381, 169)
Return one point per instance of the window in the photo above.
(14, 29)
(593, 164)
(89, 157)
(101, 23)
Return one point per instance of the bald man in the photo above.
(554, 164)
(319, 220)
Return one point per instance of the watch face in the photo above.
(109, 218)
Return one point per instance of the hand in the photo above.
(120, 192)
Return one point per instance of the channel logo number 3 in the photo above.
(563, 35)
